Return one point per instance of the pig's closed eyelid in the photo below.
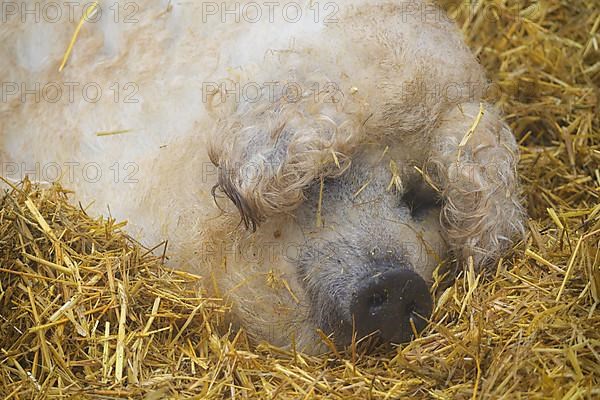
(420, 200)
(418, 211)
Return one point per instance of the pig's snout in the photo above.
(386, 303)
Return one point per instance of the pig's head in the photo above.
(381, 192)
(371, 244)
(370, 232)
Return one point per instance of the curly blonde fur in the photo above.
(481, 214)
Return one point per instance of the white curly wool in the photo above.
(145, 106)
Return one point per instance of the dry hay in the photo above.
(86, 311)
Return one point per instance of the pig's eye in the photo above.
(420, 199)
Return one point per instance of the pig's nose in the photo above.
(386, 303)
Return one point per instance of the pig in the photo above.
(314, 163)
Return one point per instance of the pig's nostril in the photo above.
(378, 299)
(392, 304)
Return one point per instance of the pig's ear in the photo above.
(268, 152)
(473, 163)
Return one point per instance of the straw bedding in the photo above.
(87, 312)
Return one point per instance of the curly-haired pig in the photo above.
(313, 162)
